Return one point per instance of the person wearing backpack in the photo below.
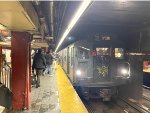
(39, 63)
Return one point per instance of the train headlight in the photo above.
(78, 72)
(124, 71)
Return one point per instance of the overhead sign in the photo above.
(38, 45)
(49, 37)
(37, 36)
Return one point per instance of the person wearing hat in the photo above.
(39, 63)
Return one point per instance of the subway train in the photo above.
(96, 66)
(146, 74)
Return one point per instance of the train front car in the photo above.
(101, 66)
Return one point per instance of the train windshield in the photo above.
(119, 53)
(83, 53)
(103, 51)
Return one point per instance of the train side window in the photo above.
(71, 57)
(83, 53)
(119, 53)
(65, 58)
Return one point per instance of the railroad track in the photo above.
(137, 107)
(102, 107)
(121, 106)
(146, 98)
(90, 108)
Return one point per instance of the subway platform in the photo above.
(56, 95)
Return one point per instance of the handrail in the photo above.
(5, 74)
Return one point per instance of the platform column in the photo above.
(0, 60)
(21, 70)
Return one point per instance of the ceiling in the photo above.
(15, 17)
(21, 16)
(115, 13)
(111, 16)
(118, 16)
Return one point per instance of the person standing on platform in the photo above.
(39, 63)
(48, 58)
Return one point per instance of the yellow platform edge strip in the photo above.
(68, 98)
(148, 71)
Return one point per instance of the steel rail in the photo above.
(146, 98)
(124, 105)
(135, 106)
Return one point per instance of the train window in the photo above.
(119, 53)
(103, 51)
(71, 56)
(65, 58)
(83, 53)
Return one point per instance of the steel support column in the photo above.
(21, 72)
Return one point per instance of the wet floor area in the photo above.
(45, 99)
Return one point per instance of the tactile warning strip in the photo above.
(68, 98)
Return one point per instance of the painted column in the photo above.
(21, 75)
(0, 60)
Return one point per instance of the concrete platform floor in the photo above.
(45, 99)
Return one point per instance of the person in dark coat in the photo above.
(48, 58)
(39, 63)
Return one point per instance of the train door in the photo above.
(71, 64)
(68, 61)
(62, 56)
(101, 64)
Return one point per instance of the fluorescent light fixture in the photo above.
(69, 38)
(8, 37)
(33, 40)
(75, 18)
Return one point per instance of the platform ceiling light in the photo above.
(75, 18)
(8, 37)
(70, 38)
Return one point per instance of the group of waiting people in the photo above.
(42, 65)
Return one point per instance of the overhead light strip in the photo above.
(75, 18)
